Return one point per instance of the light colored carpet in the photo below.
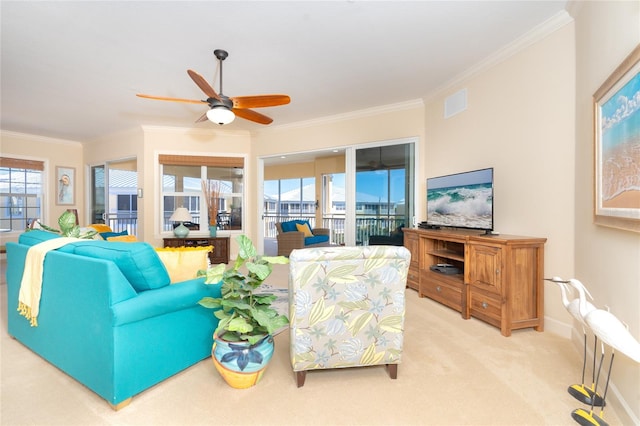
(453, 372)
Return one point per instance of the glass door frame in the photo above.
(350, 186)
(91, 204)
(350, 183)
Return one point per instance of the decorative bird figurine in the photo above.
(579, 391)
(614, 333)
(607, 326)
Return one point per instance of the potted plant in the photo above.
(68, 227)
(211, 190)
(243, 340)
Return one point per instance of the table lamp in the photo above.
(181, 215)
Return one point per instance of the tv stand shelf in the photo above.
(447, 254)
(501, 280)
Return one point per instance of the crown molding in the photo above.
(537, 34)
(37, 138)
(368, 112)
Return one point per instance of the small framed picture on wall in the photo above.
(65, 186)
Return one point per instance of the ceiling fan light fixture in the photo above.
(221, 115)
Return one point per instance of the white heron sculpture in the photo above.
(579, 391)
(614, 333)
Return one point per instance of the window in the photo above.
(182, 178)
(290, 197)
(127, 203)
(20, 192)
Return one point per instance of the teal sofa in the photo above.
(109, 317)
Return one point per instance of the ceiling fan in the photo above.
(223, 109)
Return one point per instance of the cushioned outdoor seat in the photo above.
(290, 238)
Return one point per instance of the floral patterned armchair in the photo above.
(347, 307)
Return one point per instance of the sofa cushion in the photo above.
(101, 227)
(37, 236)
(316, 239)
(124, 238)
(107, 235)
(304, 228)
(138, 262)
(290, 225)
(183, 263)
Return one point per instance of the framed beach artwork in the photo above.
(65, 186)
(617, 147)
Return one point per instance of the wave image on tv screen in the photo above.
(463, 200)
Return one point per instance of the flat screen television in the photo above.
(461, 200)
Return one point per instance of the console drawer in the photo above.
(485, 307)
(443, 289)
(413, 278)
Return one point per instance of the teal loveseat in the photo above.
(108, 316)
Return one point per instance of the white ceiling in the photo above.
(71, 70)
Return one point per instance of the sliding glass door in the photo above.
(114, 195)
(384, 190)
(362, 191)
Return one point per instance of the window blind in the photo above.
(200, 160)
(18, 163)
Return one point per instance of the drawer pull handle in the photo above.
(438, 289)
(484, 305)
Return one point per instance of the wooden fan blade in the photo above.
(260, 101)
(163, 98)
(203, 85)
(251, 115)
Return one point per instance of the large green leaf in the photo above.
(261, 270)
(212, 275)
(210, 302)
(280, 260)
(246, 248)
(265, 299)
(239, 324)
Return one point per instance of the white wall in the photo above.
(607, 260)
(520, 121)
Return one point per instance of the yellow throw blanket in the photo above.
(31, 284)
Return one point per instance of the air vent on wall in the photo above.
(455, 103)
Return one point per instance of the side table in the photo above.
(220, 253)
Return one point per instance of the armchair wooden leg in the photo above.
(392, 369)
(300, 376)
(121, 405)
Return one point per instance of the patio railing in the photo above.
(366, 225)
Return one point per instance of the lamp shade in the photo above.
(181, 215)
(220, 114)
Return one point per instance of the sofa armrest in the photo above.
(292, 237)
(321, 231)
(165, 300)
(288, 241)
